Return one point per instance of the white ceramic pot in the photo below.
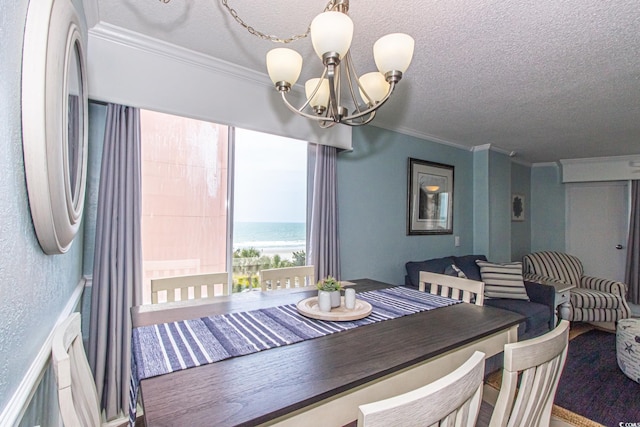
(335, 299)
(350, 298)
(324, 301)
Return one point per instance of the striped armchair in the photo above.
(592, 300)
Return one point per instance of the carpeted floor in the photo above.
(593, 386)
(593, 391)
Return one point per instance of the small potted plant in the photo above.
(331, 287)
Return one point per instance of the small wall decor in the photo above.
(429, 198)
(517, 207)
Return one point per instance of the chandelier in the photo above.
(331, 34)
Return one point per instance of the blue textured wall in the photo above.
(547, 209)
(521, 230)
(372, 196)
(34, 287)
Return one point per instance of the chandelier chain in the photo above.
(264, 36)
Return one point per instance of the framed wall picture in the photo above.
(429, 198)
(517, 207)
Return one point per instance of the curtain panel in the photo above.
(323, 241)
(117, 271)
(632, 274)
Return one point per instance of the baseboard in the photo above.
(14, 411)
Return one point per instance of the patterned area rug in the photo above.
(593, 392)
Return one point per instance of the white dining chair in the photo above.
(77, 395)
(471, 291)
(288, 277)
(453, 400)
(530, 378)
(184, 284)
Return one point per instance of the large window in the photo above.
(270, 209)
(187, 217)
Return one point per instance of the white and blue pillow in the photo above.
(503, 280)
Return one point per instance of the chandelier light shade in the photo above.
(393, 52)
(375, 87)
(284, 65)
(321, 98)
(331, 35)
(331, 32)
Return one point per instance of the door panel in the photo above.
(597, 221)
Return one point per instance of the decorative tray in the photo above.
(309, 307)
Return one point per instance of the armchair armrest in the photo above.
(542, 294)
(542, 280)
(604, 285)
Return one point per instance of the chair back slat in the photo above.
(539, 363)
(452, 400)
(289, 277)
(77, 395)
(452, 287)
(184, 285)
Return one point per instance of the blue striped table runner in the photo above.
(168, 347)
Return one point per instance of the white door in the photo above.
(597, 222)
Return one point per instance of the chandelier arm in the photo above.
(310, 97)
(333, 76)
(327, 124)
(303, 114)
(350, 72)
(367, 121)
(392, 86)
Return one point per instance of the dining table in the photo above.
(319, 381)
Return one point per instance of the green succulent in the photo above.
(329, 284)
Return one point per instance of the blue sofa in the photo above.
(538, 311)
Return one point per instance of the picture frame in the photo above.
(517, 207)
(430, 188)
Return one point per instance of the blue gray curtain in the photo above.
(632, 276)
(323, 241)
(117, 271)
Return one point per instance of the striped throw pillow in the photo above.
(503, 280)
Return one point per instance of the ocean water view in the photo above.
(282, 238)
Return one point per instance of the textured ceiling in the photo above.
(547, 79)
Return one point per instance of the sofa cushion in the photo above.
(537, 315)
(437, 265)
(503, 280)
(468, 265)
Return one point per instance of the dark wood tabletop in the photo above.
(263, 386)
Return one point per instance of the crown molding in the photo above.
(633, 160)
(115, 34)
(495, 148)
(421, 135)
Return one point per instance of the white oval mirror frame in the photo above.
(54, 120)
